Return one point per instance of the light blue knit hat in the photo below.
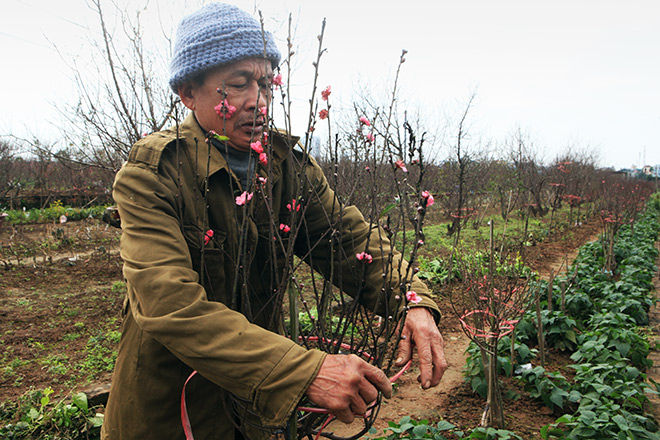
(214, 35)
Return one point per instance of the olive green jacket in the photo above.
(176, 322)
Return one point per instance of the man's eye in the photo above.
(238, 86)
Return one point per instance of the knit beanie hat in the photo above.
(214, 35)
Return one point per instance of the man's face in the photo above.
(245, 85)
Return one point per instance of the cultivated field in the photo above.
(62, 292)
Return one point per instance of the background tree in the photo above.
(129, 97)
(7, 168)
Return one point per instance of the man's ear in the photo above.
(186, 94)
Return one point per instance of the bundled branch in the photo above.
(489, 309)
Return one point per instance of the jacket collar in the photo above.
(207, 159)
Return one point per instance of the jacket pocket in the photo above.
(209, 263)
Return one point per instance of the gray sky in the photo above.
(570, 73)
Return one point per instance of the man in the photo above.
(195, 242)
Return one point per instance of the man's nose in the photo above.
(257, 97)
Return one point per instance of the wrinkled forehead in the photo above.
(250, 68)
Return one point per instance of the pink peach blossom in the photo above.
(370, 137)
(428, 197)
(284, 228)
(293, 206)
(323, 114)
(243, 198)
(325, 93)
(263, 158)
(402, 166)
(412, 297)
(363, 256)
(277, 80)
(208, 235)
(225, 110)
(365, 121)
(256, 146)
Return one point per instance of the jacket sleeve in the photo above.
(169, 304)
(376, 284)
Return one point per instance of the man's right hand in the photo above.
(346, 385)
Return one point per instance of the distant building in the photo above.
(647, 171)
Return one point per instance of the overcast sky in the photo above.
(570, 73)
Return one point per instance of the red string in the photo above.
(505, 327)
(329, 419)
(185, 420)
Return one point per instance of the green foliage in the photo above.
(579, 305)
(601, 418)
(441, 270)
(560, 330)
(118, 287)
(493, 434)
(551, 387)
(307, 321)
(101, 352)
(36, 416)
(609, 383)
(408, 428)
(52, 214)
(609, 341)
(474, 367)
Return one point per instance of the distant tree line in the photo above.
(37, 180)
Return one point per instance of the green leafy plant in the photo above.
(408, 428)
(474, 368)
(550, 387)
(609, 384)
(36, 416)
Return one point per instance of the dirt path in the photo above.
(654, 324)
(410, 399)
(72, 256)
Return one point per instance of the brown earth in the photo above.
(53, 314)
(59, 307)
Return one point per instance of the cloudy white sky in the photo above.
(570, 73)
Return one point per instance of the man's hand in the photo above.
(346, 385)
(420, 331)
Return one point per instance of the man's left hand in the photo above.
(420, 331)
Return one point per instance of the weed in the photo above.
(71, 337)
(118, 287)
(23, 302)
(36, 344)
(101, 353)
(72, 312)
(56, 364)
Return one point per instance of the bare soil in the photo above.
(57, 308)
